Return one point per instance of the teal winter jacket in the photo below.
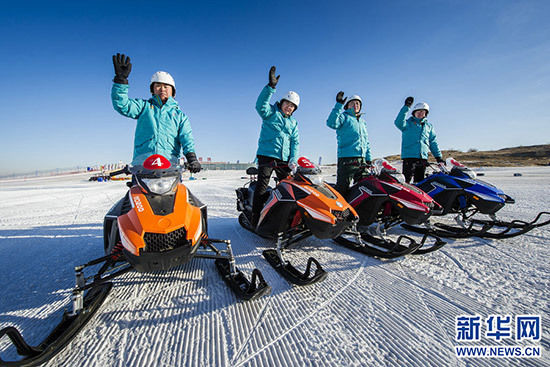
(161, 129)
(351, 133)
(279, 134)
(417, 136)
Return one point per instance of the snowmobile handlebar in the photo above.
(120, 171)
(438, 167)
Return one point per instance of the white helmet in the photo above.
(355, 97)
(292, 97)
(421, 106)
(163, 77)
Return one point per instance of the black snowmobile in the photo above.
(300, 206)
(157, 225)
(460, 192)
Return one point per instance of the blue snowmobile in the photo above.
(457, 189)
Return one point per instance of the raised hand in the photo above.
(273, 80)
(340, 98)
(123, 67)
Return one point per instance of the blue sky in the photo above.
(483, 66)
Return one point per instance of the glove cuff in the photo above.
(120, 80)
(191, 157)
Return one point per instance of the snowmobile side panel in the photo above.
(280, 212)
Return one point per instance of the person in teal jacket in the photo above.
(162, 127)
(278, 143)
(417, 140)
(353, 139)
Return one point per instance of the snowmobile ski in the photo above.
(64, 332)
(293, 275)
(243, 288)
(387, 249)
(288, 271)
(513, 228)
(494, 228)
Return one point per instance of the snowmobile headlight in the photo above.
(315, 179)
(160, 185)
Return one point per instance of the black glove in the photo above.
(439, 160)
(192, 163)
(123, 67)
(340, 98)
(272, 79)
(409, 101)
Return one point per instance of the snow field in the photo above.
(368, 312)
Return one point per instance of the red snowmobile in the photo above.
(157, 225)
(382, 198)
(300, 206)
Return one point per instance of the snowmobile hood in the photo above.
(185, 219)
(322, 202)
(317, 207)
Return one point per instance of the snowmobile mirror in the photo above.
(252, 171)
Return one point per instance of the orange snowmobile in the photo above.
(299, 206)
(158, 225)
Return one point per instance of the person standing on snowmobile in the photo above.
(417, 139)
(353, 140)
(162, 128)
(278, 143)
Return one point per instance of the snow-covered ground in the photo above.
(368, 312)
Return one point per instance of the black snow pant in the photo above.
(414, 167)
(347, 168)
(266, 165)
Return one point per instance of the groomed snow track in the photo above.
(368, 312)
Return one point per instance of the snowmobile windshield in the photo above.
(384, 168)
(311, 174)
(157, 175)
(315, 179)
(462, 172)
